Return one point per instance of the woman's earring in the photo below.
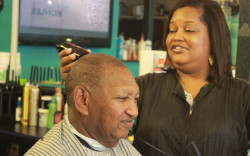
(211, 61)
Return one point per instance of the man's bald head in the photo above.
(89, 71)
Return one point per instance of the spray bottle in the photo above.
(26, 90)
(33, 105)
(52, 110)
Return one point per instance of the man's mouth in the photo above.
(127, 123)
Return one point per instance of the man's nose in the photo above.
(132, 109)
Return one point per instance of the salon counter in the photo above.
(16, 137)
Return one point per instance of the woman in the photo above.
(197, 108)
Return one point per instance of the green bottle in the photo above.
(52, 110)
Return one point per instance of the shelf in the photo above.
(137, 18)
(129, 18)
(130, 61)
(160, 17)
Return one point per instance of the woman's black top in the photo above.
(218, 124)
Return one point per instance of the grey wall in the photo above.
(243, 52)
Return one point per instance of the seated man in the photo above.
(102, 97)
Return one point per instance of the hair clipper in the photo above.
(77, 50)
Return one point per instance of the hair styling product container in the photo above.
(34, 101)
(52, 110)
(26, 91)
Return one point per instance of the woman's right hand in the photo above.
(67, 60)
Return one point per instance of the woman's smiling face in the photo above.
(188, 42)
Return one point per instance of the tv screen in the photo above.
(87, 23)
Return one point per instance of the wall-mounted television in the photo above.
(87, 23)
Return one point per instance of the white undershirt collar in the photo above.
(92, 143)
(189, 98)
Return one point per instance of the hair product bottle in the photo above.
(33, 105)
(18, 117)
(59, 101)
(52, 110)
(26, 91)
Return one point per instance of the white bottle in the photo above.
(141, 46)
(125, 52)
(18, 117)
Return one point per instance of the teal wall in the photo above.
(47, 55)
(134, 67)
(5, 26)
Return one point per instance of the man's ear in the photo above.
(82, 99)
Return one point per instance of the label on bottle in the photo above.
(18, 114)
